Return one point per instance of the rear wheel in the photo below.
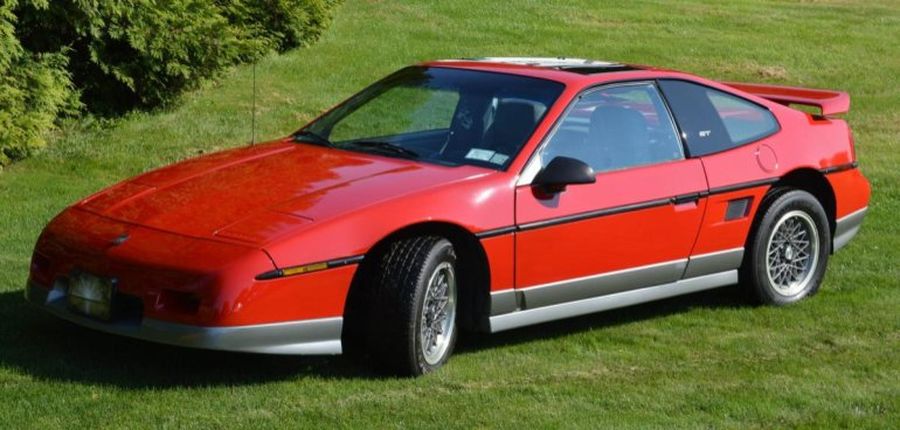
(789, 251)
(414, 307)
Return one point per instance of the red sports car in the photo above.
(482, 194)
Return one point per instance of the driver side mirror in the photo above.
(563, 171)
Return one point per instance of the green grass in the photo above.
(704, 360)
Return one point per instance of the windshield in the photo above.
(440, 115)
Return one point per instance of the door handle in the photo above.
(685, 198)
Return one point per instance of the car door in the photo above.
(635, 226)
(736, 140)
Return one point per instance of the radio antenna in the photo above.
(253, 112)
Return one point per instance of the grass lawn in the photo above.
(704, 360)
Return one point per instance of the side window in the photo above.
(616, 127)
(744, 121)
(714, 121)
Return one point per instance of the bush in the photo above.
(116, 55)
(34, 90)
(127, 53)
(283, 24)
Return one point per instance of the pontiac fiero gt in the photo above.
(482, 194)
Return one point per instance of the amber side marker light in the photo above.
(308, 268)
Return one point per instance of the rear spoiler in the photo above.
(828, 101)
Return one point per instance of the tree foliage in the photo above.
(34, 90)
(109, 56)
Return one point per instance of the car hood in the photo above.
(258, 193)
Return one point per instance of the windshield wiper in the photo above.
(385, 147)
(311, 137)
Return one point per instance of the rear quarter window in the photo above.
(714, 121)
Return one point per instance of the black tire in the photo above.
(781, 207)
(398, 288)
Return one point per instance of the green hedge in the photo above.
(106, 57)
(34, 90)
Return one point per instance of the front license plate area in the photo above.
(91, 295)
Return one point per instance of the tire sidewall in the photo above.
(441, 252)
(786, 202)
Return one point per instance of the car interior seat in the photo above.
(618, 137)
(513, 122)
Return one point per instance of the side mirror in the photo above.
(563, 171)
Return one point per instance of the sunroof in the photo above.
(590, 70)
(574, 65)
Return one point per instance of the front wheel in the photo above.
(415, 305)
(789, 250)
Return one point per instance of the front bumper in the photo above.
(306, 337)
